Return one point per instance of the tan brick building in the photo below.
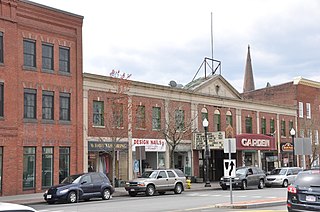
(40, 96)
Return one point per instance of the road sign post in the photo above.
(230, 147)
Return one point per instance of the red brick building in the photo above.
(41, 134)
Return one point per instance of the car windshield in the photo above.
(241, 171)
(71, 179)
(146, 174)
(278, 172)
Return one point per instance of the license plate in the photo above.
(310, 198)
(131, 189)
(49, 196)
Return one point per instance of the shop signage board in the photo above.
(255, 142)
(215, 140)
(151, 145)
(97, 146)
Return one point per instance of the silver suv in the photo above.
(282, 176)
(160, 181)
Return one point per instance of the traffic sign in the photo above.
(229, 167)
(232, 142)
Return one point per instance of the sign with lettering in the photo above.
(255, 142)
(151, 145)
(215, 140)
(97, 146)
(286, 147)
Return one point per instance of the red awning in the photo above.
(255, 142)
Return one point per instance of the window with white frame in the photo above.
(300, 109)
(308, 110)
(316, 137)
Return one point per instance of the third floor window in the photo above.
(30, 106)
(64, 59)
(47, 56)
(29, 53)
(47, 105)
(65, 106)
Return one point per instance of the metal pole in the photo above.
(294, 158)
(230, 179)
(207, 158)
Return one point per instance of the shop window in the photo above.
(64, 59)
(29, 167)
(263, 126)
(140, 117)
(29, 53)
(229, 118)
(47, 56)
(64, 106)
(179, 119)
(47, 166)
(248, 124)
(217, 121)
(117, 113)
(156, 118)
(283, 128)
(30, 99)
(98, 111)
(47, 105)
(272, 128)
(64, 163)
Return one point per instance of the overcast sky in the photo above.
(162, 40)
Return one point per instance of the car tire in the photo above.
(244, 185)
(178, 188)
(224, 187)
(72, 197)
(106, 194)
(261, 184)
(150, 190)
(132, 193)
(285, 183)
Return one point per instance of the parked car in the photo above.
(15, 207)
(245, 177)
(282, 176)
(80, 187)
(304, 192)
(160, 181)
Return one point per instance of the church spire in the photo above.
(248, 84)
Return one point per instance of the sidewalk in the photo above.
(120, 191)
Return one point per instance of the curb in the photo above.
(252, 204)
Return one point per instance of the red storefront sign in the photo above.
(255, 142)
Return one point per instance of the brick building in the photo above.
(41, 109)
(149, 113)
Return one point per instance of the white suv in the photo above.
(282, 176)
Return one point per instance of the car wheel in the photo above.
(285, 183)
(161, 192)
(244, 185)
(106, 194)
(132, 193)
(178, 189)
(150, 190)
(224, 187)
(261, 184)
(72, 197)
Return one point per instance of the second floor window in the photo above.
(300, 109)
(263, 126)
(156, 118)
(248, 124)
(272, 129)
(1, 47)
(217, 120)
(29, 53)
(229, 118)
(179, 119)
(283, 128)
(140, 117)
(308, 110)
(47, 105)
(30, 100)
(1, 100)
(47, 56)
(64, 59)
(64, 106)
(117, 113)
(98, 111)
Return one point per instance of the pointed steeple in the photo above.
(248, 84)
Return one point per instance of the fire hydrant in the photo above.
(188, 181)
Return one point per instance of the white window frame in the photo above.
(300, 109)
(316, 137)
(308, 110)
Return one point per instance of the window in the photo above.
(47, 56)
(98, 111)
(217, 120)
(117, 113)
(272, 129)
(29, 53)
(283, 128)
(248, 124)
(30, 100)
(263, 126)
(316, 137)
(47, 105)
(1, 100)
(47, 166)
(1, 47)
(308, 110)
(64, 59)
(179, 119)
(29, 167)
(229, 118)
(156, 118)
(65, 106)
(300, 109)
(64, 163)
(1, 160)
(140, 117)
(290, 126)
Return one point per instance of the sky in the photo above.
(157, 41)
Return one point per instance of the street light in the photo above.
(293, 133)
(205, 124)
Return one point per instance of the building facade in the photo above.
(155, 126)
(40, 96)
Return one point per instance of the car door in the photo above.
(96, 182)
(162, 181)
(290, 176)
(172, 178)
(86, 185)
(251, 177)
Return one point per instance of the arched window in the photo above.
(229, 118)
(204, 113)
(217, 120)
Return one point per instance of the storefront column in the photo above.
(130, 159)
(259, 159)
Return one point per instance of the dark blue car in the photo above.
(80, 187)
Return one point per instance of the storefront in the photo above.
(286, 149)
(256, 150)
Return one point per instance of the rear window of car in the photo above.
(171, 174)
(179, 173)
(308, 179)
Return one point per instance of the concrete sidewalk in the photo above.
(120, 191)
